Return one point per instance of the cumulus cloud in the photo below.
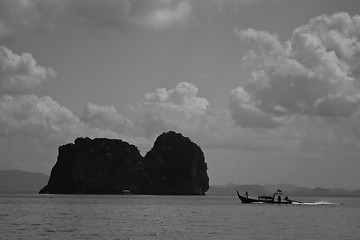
(178, 108)
(182, 97)
(105, 117)
(245, 114)
(44, 120)
(21, 73)
(181, 109)
(34, 117)
(25, 115)
(314, 73)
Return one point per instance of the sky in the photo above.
(269, 89)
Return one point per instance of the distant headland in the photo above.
(174, 166)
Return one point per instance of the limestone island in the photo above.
(174, 166)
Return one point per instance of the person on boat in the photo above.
(287, 199)
(279, 199)
(246, 194)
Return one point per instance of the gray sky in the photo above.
(270, 89)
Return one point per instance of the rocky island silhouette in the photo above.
(174, 166)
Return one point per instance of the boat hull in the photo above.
(251, 200)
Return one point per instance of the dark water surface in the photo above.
(174, 217)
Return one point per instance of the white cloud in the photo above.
(105, 117)
(31, 129)
(178, 109)
(44, 120)
(20, 73)
(25, 115)
(314, 73)
(34, 117)
(182, 97)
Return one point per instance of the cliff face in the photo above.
(99, 166)
(175, 165)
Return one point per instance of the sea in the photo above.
(175, 217)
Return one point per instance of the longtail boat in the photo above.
(276, 198)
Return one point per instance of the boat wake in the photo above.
(316, 203)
